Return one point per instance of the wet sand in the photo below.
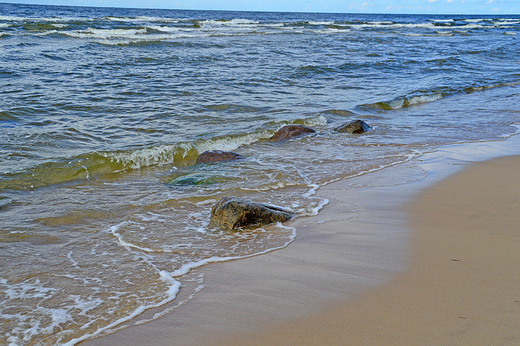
(380, 265)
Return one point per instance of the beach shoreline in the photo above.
(331, 285)
(462, 284)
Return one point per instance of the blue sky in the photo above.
(338, 6)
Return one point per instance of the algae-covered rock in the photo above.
(236, 213)
(355, 126)
(291, 131)
(218, 156)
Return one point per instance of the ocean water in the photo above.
(104, 213)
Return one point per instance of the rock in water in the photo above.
(291, 131)
(218, 156)
(236, 213)
(355, 126)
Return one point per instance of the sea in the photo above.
(103, 112)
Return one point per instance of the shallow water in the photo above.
(104, 111)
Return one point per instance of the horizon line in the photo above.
(264, 11)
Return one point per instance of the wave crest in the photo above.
(406, 101)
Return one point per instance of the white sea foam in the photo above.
(336, 30)
(171, 294)
(384, 22)
(11, 18)
(114, 230)
(233, 22)
(108, 33)
(230, 143)
(142, 19)
(190, 266)
(39, 19)
(321, 23)
(506, 23)
(170, 29)
(312, 191)
(477, 20)
(200, 287)
(173, 284)
(317, 207)
(471, 26)
(420, 26)
(27, 325)
(206, 202)
(74, 263)
(270, 186)
(27, 290)
(316, 121)
(413, 100)
(424, 99)
(156, 156)
(394, 25)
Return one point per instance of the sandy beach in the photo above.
(423, 253)
(463, 284)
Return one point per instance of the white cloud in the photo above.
(433, 1)
(490, 2)
(450, 1)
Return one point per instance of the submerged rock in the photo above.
(195, 178)
(291, 131)
(235, 213)
(218, 156)
(354, 126)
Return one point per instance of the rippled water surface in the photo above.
(103, 112)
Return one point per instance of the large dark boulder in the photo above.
(354, 126)
(291, 131)
(218, 156)
(237, 213)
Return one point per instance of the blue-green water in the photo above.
(103, 113)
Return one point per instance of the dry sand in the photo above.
(373, 268)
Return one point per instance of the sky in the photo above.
(333, 6)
